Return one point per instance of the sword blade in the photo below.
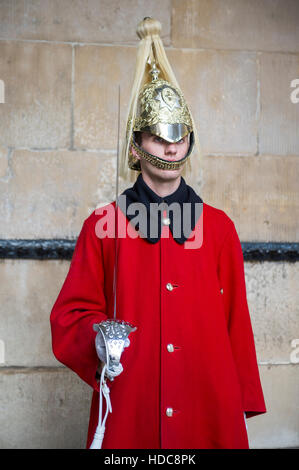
(116, 204)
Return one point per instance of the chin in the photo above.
(170, 174)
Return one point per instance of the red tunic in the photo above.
(209, 379)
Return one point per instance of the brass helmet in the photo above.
(157, 104)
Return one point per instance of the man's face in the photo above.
(163, 149)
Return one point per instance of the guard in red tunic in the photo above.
(189, 373)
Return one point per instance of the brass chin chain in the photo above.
(156, 161)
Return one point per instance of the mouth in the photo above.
(173, 159)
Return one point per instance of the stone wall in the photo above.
(60, 64)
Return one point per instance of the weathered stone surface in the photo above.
(43, 409)
(273, 301)
(49, 194)
(278, 428)
(231, 24)
(221, 90)
(37, 108)
(99, 71)
(3, 163)
(28, 290)
(259, 193)
(279, 116)
(99, 21)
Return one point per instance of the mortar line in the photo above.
(135, 45)
(27, 369)
(277, 363)
(65, 149)
(112, 151)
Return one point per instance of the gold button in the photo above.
(166, 221)
(169, 412)
(169, 286)
(221, 290)
(170, 348)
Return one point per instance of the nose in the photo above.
(171, 149)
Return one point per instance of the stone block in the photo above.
(231, 24)
(278, 428)
(221, 90)
(49, 194)
(43, 409)
(259, 193)
(99, 71)
(279, 115)
(37, 108)
(28, 290)
(273, 299)
(99, 21)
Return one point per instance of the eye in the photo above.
(158, 139)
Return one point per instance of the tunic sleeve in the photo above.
(232, 280)
(80, 304)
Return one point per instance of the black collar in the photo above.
(142, 193)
